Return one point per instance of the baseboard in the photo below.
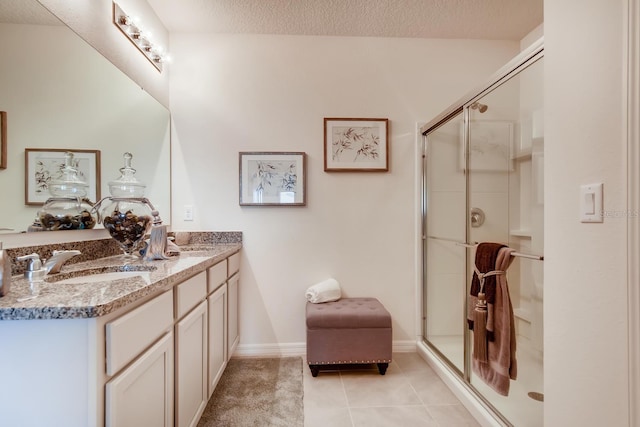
(271, 350)
(404, 346)
(300, 349)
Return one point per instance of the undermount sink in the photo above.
(105, 277)
(195, 248)
(104, 274)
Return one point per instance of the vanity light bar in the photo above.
(140, 38)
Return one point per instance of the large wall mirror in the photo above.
(60, 93)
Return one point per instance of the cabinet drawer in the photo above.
(216, 276)
(189, 293)
(129, 335)
(234, 264)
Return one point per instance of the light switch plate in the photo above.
(591, 203)
(188, 212)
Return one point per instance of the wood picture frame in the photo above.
(42, 165)
(3, 139)
(356, 145)
(272, 178)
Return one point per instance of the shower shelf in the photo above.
(522, 313)
(526, 234)
(522, 155)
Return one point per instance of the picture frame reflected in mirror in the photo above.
(3, 139)
(42, 165)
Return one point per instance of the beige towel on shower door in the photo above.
(502, 365)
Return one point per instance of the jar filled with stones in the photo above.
(126, 214)
(68, 207)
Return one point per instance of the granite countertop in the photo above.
(85, 300)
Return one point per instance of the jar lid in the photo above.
(127, 185)
(68, 183)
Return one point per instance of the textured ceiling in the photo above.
(472, 19)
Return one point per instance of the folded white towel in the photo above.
(325, 291)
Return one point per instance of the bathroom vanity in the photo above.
(132, 350)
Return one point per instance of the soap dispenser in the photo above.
(5, 272)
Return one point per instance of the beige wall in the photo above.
(586, 366)
(270, 93)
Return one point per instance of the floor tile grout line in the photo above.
(346, 398)
(405, 374)
(387, 406)
(423, 403)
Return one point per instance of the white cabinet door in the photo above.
(233, 334)
(142, 395)
(217, 313)
(191, 366)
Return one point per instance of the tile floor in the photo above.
(410, 394)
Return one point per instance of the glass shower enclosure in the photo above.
(483, 181)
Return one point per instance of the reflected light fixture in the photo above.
(139, 37)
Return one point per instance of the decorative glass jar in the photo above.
(68, 207)
(126, 214)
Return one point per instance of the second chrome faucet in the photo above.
(57, 260)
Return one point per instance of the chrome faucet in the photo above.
(57, 260)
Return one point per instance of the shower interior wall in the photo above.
(527, 211)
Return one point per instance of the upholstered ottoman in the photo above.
(348, 331)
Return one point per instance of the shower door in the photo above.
(445, 199)
(483, 182)
(506, 152)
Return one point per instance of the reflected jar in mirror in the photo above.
(66, 214)
(68, 207)
(126, 214)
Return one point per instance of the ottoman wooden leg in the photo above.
(314, 370)
(382, 368)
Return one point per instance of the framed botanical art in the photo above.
(272, 179)
(43, 165)
(356, 145)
